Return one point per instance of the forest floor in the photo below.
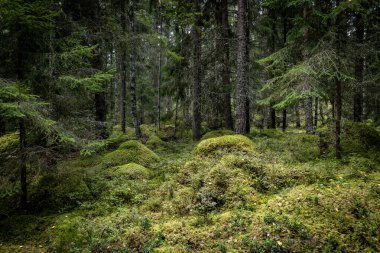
(268, 191)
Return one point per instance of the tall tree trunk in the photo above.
(308, 100)
(272, 123)
(338, 101)
(197, 68)
(309, 115)
(100, 100)
(359, 69)
(24, 191)
(285, 33)
(159, 27)
(316, 113)
(223, 54)
(123, 68)
(242, 70)
(338, 86)
(133, 70)
(176, 116)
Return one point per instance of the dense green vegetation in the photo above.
(189, 126)
(270, 192)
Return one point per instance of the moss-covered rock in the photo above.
(217, 133)
(130, 171)
(130, 152)
(225, 144)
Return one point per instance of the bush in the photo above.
(130, 152)
(225, 144)
(95, 147)
(217, 133)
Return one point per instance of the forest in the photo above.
(181, 126)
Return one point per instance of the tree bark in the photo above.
(338, 86)
(159, 27)
(123, 68)
(242, 70)
(284, 119)
(197, 69)
(133, 70)
(359, 69)
(223, 55)
(309, 115)
(272, 123)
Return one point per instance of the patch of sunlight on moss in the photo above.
(130, 171)
(8, 141)
(225, 144)
(130, 152)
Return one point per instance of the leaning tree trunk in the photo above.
(242, 70)
(359, 69)
(197, 68)
(133, 70)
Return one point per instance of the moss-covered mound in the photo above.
(340, 217)
(130, 171)
(130, 152)
(217, 133)
(60, 190)
(225, 144)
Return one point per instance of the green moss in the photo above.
(130, 171)
(225, 144)
(130, 152)
(59, 190)
(217, 133)
(8, 141)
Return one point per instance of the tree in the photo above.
(242, 70)
(197, 71)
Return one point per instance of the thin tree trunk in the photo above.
(133, 70)
(272, 123)
(309, 115)
(24, 191)
(316, 113)
(176, 116)
(159, 74)
(284, 120)
(338, 87)
(359, 69)
(242, 70)
(338, 101)
(197, 68)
